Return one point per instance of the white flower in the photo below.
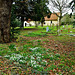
(22, 61)
(26, 57)
(35, 66)
(15, 47)
(7, 56)
(34, 49)
(38, 54)
(38, 57)
(33, 62)
(32, 57)
(13, 58)
(52, 56)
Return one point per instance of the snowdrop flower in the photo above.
(45, 61)
(38, 54)
(15, 47)
(35, 66)
(38, 57)
(7, 56)
(52, 56)
(26, 57)
(34, 49)
(32, 57)
(23, 61)
(32, 61)
(13, 58)
(33, 54)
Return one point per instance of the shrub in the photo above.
(14, 22)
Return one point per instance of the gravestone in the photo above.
(63, 26)
(47, 29)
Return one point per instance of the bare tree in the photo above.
(62, 6)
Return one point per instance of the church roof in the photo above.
(53, 17)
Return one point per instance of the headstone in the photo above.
(70, 31)
(47, 29)
(63, 26)
(58, 30)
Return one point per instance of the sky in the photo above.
(50, 7)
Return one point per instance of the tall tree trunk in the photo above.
(41, 24)
(59, 22)
(5, 14)
(22, 20)
(36, 24)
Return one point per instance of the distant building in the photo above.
(27, 23)
(53, 20)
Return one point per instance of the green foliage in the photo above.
(46, 56)
(38, 40)
(51, 67)
(43, 63)
(74, 20)
(57, 55)
(14, 22)
(66, 19)
(12, 47)
(73, 73)
(23, 10)
(40, 10)
(51, 58)
(25, 55)
(35, 34)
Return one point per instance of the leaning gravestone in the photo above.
(47, 29)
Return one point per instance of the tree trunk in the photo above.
(41, 24)
(22, 20)
(59, 22)
(36, 24)
(5, 14)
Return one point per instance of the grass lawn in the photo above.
(37, 52)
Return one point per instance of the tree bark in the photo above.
(36, 24)
(22, 20)
(41, 24)
(5, 15)
(59, 22)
